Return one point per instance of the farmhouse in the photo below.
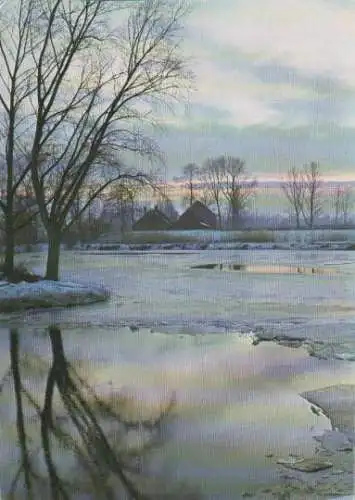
(152, 220)
(198, 216)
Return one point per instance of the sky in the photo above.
(274, 84)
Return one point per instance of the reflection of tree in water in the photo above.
(110, 471)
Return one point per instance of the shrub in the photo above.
(257, 237)
(330, 236)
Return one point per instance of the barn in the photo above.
(152, 220)
(197, 216)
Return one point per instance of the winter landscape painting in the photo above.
(177, 237)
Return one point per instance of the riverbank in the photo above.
(202, 245)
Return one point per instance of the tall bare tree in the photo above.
(124, 195)
(16, 84)
(88, 224)
(85, 96)
(237, 187)
(342, 203)
(293, 188)
(212, 177)
(204, 192)
(162, 199)
(302, 189)
(312, 205)
(190, 173)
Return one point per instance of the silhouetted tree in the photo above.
(212, 177)
(342, 203)
(190, 174)
(238, 189)
(74, 99)
(312, 203)
(293, 188)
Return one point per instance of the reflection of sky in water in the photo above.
(235, 402)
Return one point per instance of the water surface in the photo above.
(168, 328)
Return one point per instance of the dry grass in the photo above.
(330, 236)
(166, 237)
(152, 238)
(257, 237)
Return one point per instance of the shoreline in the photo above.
(202, 246)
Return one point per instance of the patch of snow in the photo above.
(46, 293)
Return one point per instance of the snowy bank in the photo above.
(223, 245)
(46, 293)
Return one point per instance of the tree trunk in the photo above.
(52, 268)
(219, 215)
(298, 220)
(9, 245)
(235, 218)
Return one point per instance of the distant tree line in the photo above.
(302, 188)
(223, 182)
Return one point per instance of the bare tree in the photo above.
(204, 193)
(237, 187)
(342, 203)
(166, 206)
(212, 177)
(89, 95)
(190, 174)
(293, 188)
(312, 203)
(124, 195)
(162, 196)
(88, 224)
(302, 189)
(16, 84)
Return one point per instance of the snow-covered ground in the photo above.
(46, 293)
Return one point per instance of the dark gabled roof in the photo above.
(198, 216)
(153, 220)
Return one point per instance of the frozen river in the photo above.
(162, 291)
(171, 327)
